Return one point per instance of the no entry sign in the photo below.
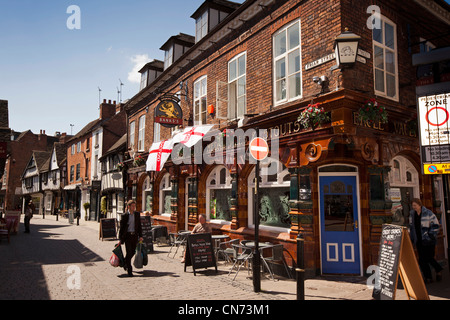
(259, 149)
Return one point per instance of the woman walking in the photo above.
(424, 227)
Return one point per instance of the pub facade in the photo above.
(343, 139)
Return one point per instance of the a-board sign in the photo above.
(396, 257)
(200, 252)
(108, 229)
(146, 224)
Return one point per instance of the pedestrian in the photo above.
(130, 232)
(201, 227)
(424, 227)
(28, 215)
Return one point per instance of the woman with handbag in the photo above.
(130, 232)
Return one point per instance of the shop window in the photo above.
(287, 63)
(274, 195)
(385, 59)
(218, 194)
(165, 195)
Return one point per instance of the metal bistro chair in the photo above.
(243, 254)
(177, 240)
(226, 250)
(277, 255)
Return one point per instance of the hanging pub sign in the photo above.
(168, 112)
(434, 124)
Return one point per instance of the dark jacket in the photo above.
(124, 225)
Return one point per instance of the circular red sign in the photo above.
(259, 149)
(437, 124)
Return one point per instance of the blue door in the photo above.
(339, 225)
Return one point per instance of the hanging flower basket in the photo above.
(373, 111)
(313, 116)
(138, 161)
(120, 166)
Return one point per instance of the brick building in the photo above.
(260, 65)
(84, 151)
(5, 137)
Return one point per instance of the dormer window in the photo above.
(175, 47)
(150, 72)
(210, 14)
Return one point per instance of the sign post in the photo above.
(259, 150)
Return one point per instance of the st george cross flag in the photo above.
(191, 135)
(159, 153)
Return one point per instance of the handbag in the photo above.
(138, 259)
(114, 260)
(119, 253)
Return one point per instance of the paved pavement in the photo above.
(62, 261)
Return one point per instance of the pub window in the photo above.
(287, 63)
(141, 136)
(165, 195)
(385, 59)
(201, 26)
(237, 83)
(200, 101)
(144, 77)
(168, 57)
(156, 132)
(147, 195)
(273, 196)
(132, 129)
(218, 194)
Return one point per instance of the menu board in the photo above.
(388, 261)
(200, 252)
(108, 228)
(146, 224)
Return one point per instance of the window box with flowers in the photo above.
(138, 161)
(372, 111)
(120, 166)
(313, 116)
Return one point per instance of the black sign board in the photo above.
(200, 252)
(146, 224)
(168, 112)
(396, 257)
(108, 229)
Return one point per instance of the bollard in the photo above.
(300, 270)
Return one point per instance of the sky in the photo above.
(52, 63)
(53, 59)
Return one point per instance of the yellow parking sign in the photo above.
(436, 168)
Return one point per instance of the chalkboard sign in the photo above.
(396, 257)
(108, 229)
(146, 224)
(388, 260)
(200, 252)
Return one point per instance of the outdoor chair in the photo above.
(178, 239)
(243, 254)
(227, 251)
(277, 255)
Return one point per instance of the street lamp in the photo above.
(346, 48)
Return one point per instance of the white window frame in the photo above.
(200, 94)
(141, 134)
(132, 133)
(215, 174)
(201, 26)
(233, 98)
(144, 79)
(156, 132)
(78, 146)
(385, 48)
(73, 149)
(164, 186)
(168, 57)
(285, 56)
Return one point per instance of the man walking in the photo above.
(129, 233)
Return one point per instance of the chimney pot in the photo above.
(109, 101)
(104, 100)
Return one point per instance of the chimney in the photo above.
(107, 110)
